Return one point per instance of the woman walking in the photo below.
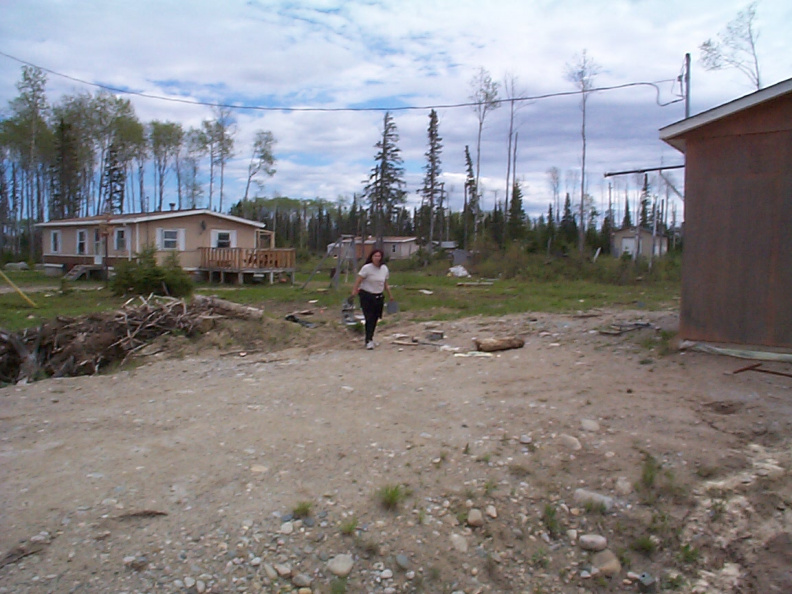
(370, 284)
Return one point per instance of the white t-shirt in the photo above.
(373, 278)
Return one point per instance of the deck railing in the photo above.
(248, 259)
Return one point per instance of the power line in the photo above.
(343, 109)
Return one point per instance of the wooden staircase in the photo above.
(76, 272)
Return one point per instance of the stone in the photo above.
(589, 425)
(283, 569)
(525, 439)
(386, 574)
(402, 561)
(475, 518)
(607, 563)
(584, 496)
(593, 542)
(569, 442)
(302, 580)
(492, 512)
(270, 571)
(459, 542)
(623, 486)
(287, 528)
(340, 565)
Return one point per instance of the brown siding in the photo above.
(737, 263)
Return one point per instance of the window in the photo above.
(223, 239)
(55, 242)
(120, 240)
(393, 248)
(97, 241)
(170, 239)
(82, 241)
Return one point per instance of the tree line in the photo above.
(89, 154)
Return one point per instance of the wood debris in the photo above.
(490, 345)
(87, 344)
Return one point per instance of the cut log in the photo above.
(489, 345)
(235, 309)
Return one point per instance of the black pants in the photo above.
(371, 304)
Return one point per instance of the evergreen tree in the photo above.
(516, 223)
(568, 229)
(385, 190)
(643, 217)
(432, 188)
(627, 220)
(471, 204)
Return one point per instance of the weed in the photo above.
(518, 470)
(434, 574)
(674, 582)
(421, 516)
(717, 509)
(338, 586)
(646, 361)
(649, 469)
(302, 509)
(689, 554)
(595, 507)
(645, 545)
(540, 558)
(348, 527)
(706, 472)
(550, 520)
(391, 496)
(624, 557)
(368, 548)
(485, 458)
(489, 487)
(466, 451)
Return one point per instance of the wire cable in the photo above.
(345, 109)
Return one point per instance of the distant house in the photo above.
(737, 260)
(395, 248)
(638, 243)
(208, 243)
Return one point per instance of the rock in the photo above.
(283, 569)
(270, 571)
(386, 574)
(302, 580)
(402, 561)
(525, 439)
(286, 528)
(593, 542)
(340, 565)
(189, 582)
(584, 496)
(459, 542)
(475, 519)
(623, 486)
(492, 512)
(589, 425)
(572, 535)
(607, 563)
(569, 442)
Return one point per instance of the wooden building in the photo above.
(212, 245)
(737, 258)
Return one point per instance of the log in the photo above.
(229, 307)
(489, 345)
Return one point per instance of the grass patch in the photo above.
(391, 496)
(689, 554)
(550, 520)
(645, 545)
(302, 509)
(348, 527)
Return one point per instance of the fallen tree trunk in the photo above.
(489, 345)
(228, 307)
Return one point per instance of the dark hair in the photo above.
(371, 256)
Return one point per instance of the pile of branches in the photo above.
(88, 344)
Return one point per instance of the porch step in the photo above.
(76, 272)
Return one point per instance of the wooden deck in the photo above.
(236, 264)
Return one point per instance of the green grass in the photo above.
(391, 496)
(561, 294)
(302, 509)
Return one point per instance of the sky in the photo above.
(325, 58)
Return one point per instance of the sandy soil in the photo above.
(189, 472)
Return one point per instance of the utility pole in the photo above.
(687, 85)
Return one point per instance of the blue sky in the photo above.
(396, 53)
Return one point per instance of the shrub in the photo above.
(144, 276)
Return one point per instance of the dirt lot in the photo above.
(190, 472)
